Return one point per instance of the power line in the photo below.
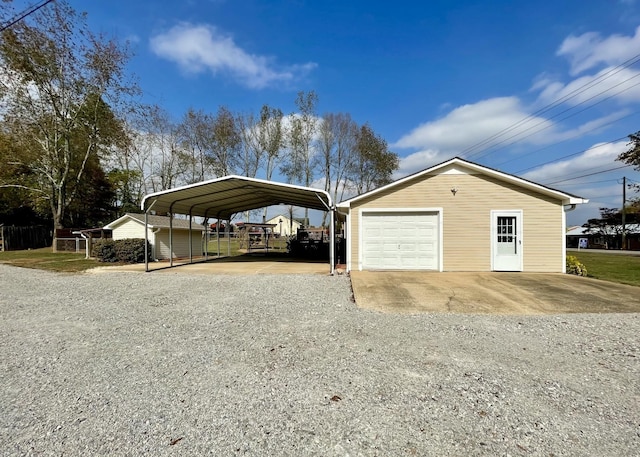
(570, 155)
(544, 121)
(568, 139)
(25, 13)
(588, 174)
(592, 182)
(557, 102)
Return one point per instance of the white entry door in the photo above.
(507, 240)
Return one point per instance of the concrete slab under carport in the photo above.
(490, 293)
(248, 264)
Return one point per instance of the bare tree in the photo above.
(299, 166)
(160, 149)
(251, 154)
(271, 137)
(226, 142)
(195, 138)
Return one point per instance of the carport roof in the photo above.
(223, 197)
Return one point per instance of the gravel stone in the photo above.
(124, 364)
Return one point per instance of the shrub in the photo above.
(130, 250)
(104, 251)
(575, 267)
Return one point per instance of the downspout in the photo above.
(154, 253)
(86, 243)
(566, 209)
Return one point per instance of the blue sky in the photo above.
(434, 78)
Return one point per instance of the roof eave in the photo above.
(480, 168)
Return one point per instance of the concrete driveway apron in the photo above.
(490, 293)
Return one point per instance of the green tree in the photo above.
(374, 164)
(609, 224)
(632, 155)
(61, 82)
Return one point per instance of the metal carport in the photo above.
(223, 197)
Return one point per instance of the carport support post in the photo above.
(171, 239)
(190, 240)
(332, 240)
(218, 233)
(227, 230)
(146, 241)
(207, 234)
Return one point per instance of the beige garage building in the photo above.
(458, 216)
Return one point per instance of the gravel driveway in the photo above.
(176, 364)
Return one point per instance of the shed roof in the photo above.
(566, 198)
(223, 197)
(154, 222)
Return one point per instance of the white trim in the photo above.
(438, 210)
(348, 247)
(564, 239)
(519, 233)
(564, 197)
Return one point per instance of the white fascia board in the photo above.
(480, 170)
(120, 220)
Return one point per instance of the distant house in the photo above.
(131, 225)
(284, 225)
(608, 237)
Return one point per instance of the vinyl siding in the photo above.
(180, 243)
(128, 229)
(467, 219)
(160, 240)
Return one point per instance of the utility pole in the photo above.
(624, 212)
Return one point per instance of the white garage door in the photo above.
(400, 241)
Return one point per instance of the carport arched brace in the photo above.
(223, 197)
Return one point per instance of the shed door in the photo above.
(507, 241)
(400, 241)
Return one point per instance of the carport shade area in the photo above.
(221, 198)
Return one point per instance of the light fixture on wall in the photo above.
(454, 190)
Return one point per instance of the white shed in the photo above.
(284, 225)
(131, 225)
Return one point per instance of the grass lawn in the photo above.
(275, 245)
(46, 259)
(71, 262)
(611, 267)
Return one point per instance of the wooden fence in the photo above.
(18, 238)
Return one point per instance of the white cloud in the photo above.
(419, 161)
(468, 125)
(590, 50)
(197, 48)
(598, 155)
(620, 84)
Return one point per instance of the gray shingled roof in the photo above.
(163, 222)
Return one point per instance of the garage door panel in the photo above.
(400, 241)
